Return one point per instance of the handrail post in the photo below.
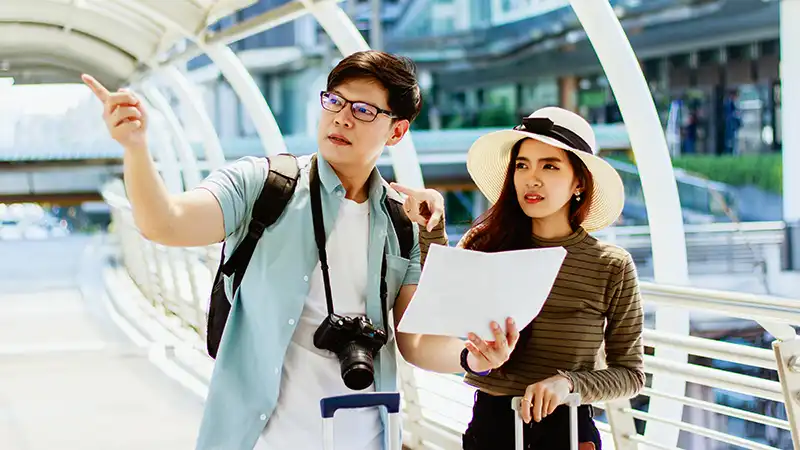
(772, 260)
(622, 424)
(787, 353)
(412, 408)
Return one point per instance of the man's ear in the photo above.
(399, 130)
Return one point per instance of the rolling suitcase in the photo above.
(572, 400)
(390, 400)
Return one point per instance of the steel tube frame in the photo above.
(195, 111)
(660, 189)
(236, 73)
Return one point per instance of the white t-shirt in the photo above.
(309, 374)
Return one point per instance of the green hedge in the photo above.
(764, 171)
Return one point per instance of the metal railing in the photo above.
(440, 409)
(732, 386)
(711, 248)
(717, 248)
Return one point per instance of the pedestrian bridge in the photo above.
(107, 351)
(168, 288)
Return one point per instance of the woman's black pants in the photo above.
(492, 427)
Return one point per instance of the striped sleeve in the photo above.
(624, 377)
(436, 236)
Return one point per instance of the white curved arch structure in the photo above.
(47, 40)
(195, 111)
(185, 154)
(96, 23)
(101, 45)
(660, 189)
(25, 40)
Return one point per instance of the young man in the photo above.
(269, 375)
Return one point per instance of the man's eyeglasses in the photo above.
(361, 111)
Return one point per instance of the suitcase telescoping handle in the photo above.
(572, 400)
(390, 400)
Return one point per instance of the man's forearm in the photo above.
(147, 193)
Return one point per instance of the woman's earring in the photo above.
(578, 197)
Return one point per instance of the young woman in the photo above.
(549, 189)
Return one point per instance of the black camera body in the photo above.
(355, 341)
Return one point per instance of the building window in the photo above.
(543, 93)
(505, 11)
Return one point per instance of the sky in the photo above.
(17, 101)
(41, 99)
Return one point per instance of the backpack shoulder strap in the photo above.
(402, 226)
(277, 191)
(275, 195)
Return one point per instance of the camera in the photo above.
(355, 341)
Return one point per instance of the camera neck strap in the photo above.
(319, 237)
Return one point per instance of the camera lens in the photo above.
(356, 362)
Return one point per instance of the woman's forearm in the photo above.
(606, 384)
(440, 354)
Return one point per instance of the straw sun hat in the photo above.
(489, 156)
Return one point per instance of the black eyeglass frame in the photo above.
(386, 113)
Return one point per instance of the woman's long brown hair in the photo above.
(505, 226)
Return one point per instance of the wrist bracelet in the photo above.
(465, 365)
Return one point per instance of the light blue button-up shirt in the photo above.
(246, 380)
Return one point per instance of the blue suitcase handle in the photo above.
(329, 405)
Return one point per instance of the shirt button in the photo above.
(305, 278)
(277, 371)
(263, 417)
(291, 321)
(340, 194)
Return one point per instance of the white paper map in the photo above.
(462, 291)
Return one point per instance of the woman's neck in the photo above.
(552, 228)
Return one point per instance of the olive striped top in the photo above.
(595, 301)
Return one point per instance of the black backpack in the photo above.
(275, 195)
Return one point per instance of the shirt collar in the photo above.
(330, 181)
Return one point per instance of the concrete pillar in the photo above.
(376, 26)
(568, 92)
(790, 103)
